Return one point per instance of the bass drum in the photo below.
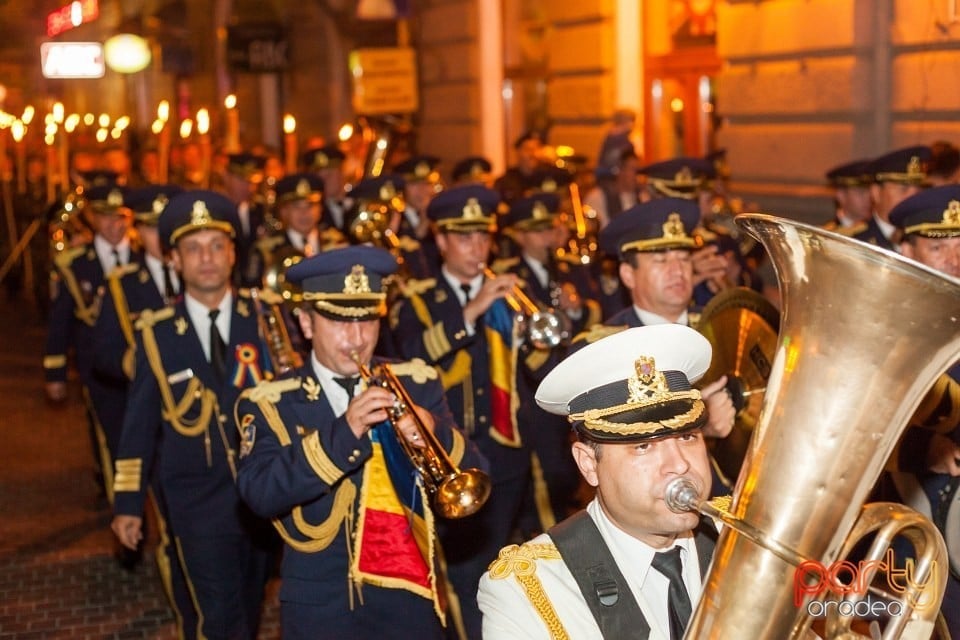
(742, 327)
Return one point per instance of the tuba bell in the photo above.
(842, 387)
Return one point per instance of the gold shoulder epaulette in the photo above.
(514, 558)
(271, 390)
(416, 369)
(598, 331)
(406, 243)
(502, 265)
(414, 287)
(269, 243)
(149, 317)
(123, 270)
(66, 257)
(331, 239)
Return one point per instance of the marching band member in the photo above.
(192, 361)
(627, 566)
(80, 273)
(320, 457)
(458, 323)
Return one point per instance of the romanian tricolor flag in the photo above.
(395, 541)
(502, 330)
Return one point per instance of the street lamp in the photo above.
(126, 53)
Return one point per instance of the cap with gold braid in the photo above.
(420, 168)
(346, 284)
(247, 165)
(631, 386)
(471, 169)
(299, 186)
(903, 166)
(196, 210)
(932, 213)
(851, 174)
(678, 177)
(147, 203)
(107, 200)
(658, 225)
(328, 157)
(533, 213)
(464, 209)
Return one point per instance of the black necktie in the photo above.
(169, 292)
(116, 258)
(466, 293)
(678, 601)
(218, 348)
(349, 385)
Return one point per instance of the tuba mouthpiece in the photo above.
(682, 495)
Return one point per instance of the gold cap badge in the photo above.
(200, 216)
(303, 188)
(356, 281)
(472, 209)
(673, 228)
(951, 215)
(649, 385)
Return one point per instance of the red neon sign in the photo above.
(72, 15)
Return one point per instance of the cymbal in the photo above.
(742, 327)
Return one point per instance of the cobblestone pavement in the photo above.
(58, 575)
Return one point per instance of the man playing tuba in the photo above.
(626, 566)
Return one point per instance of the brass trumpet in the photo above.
(543, 327)
(455, 493)
(273, 330)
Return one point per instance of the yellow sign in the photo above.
(384, 80)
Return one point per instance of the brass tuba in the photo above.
(864, 334)
(455, 493)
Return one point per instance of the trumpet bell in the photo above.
(462, 494)
(546, 329)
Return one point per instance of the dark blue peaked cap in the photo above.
(464, 209)
(346, 284)
(147, 203)
(932, 213)
(658, 225)
(197, 210)
(906, 166)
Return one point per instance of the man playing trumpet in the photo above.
(320, 457)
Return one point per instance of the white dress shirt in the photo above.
(539, 270)
(300, 241)
(336, 394)
(200, 319)
(475, 285)
(649, 319)
(508, 613)
(156, 267)
(105, 252)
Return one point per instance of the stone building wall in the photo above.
(808, 85)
